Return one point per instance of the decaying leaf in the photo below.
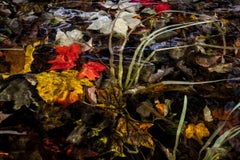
(207, 114)
(221, 68)
(68, 38)
(102, 23)
(162, 108)
(3, 116)
(19, 90)
(207, 61)
(16, 60)
(124, 21)
(197, 132)
(122, 4)
(91, 94)
(136, 133)
(110, 96)
(64, 87)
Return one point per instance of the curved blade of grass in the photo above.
(152, 37)
(180, 126)
(216, 132)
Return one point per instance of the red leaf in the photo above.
(66, 57)
(91, 70)
(145, 2)
(162, 7)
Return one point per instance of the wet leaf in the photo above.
(207, 61)
(136, 133)
(29, 56)
(197, 132)
(67, 55)
(102, 23)
(91, 94)
(162, 6)
(91, 70)
(16, 59)
(122, 4)
(124, 21)
(3, 116)
(221, 68)
(68, 38)
(207, 114)
(19, 90)
(110, 96)
(64, 87)
(162, 108)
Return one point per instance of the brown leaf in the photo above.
(16, 59)
(91, 95)
(136, 133)
(207, 61)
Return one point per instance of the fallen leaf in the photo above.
(64, 88)
(102, 23)
(91, 94)
(221, 68)
(122, 5)
(197, 132)
(162, 6)
(16, 60)
(207, 61)
(136, 133)
(3, 116)
(19, 90)
(67, 55)
(68, 38)
(110, 97)
(91, 70)
(162, 108)
(207, 114)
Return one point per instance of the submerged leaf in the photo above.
(64, 87)
(197, 132)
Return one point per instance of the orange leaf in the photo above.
(91, 70)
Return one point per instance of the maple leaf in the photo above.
(163, 6)
(66, 57)
(91, 70)
(197, 132)
(136, 133)
(64, 88)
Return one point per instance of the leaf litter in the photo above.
(64, 66)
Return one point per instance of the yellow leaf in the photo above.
(28, 58)
(197, 132)
(62, 87)
(194, 17)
